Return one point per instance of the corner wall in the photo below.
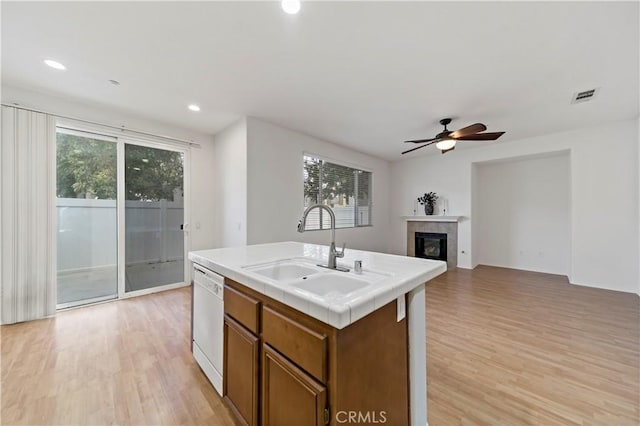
(275, 194)
(229, 166)
(604, 197)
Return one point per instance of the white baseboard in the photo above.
(569, 279)
(601, 287)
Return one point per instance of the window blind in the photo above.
(345, 189)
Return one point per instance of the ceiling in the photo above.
(366, 75)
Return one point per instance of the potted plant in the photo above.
(428, 200)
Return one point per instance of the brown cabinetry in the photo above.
(289, 395)
(242, 308)
(304, 346)
(285, 368)
(241, 371)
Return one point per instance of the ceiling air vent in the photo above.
(583, 96)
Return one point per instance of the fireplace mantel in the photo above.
(433, 218)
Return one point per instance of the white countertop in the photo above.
(433, 218)
(398, 275)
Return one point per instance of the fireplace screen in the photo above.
(431, 245)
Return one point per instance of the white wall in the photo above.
(521, 214)
(230, 185)
(275, 195)
(203, 231)
(604, 196)
(450, 178)
(638, 148)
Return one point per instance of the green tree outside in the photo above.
(86, 168)
(152, 174)
(336, 180)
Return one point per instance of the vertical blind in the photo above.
(346, 190)
(27, 151)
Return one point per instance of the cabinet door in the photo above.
(290, 397)
(240, 377)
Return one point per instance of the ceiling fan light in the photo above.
(291, 6)
(446, 144)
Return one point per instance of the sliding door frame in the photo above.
(65, 127)
(121, 140)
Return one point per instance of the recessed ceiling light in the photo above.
(291, 6)
(136, 169)
(54, 64)
(145, 160)
(194, 107)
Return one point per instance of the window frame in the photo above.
(354, 167)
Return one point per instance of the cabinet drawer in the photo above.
(300, 344)
(244, 309)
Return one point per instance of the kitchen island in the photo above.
(309, 345)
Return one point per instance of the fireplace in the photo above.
(441, 226)
(431, 245)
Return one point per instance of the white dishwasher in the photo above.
(208, 313)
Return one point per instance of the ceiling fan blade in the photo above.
(420, 141)
(418, 147)
(491, 136)
(469, 130)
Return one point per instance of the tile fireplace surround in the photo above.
(447, 225)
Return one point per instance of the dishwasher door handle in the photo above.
(210, 276)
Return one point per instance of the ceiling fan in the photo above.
(446, 140)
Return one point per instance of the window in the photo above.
(345, 189)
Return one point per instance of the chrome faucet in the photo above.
(333, 253)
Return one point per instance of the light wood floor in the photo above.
(124, 362)
(504, 348)
(513, 348)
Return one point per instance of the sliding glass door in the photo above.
(86, 212)
(154, 217)
(120, 217)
